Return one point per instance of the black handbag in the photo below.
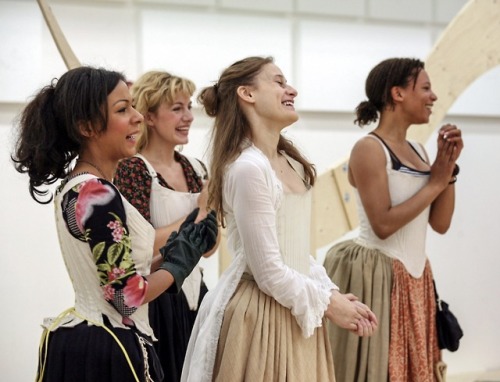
(448, 329)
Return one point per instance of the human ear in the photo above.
(245, 93)
(85, 129)
(396, 93)
(149, 119)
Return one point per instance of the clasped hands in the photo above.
(449, 147)
(346, 311)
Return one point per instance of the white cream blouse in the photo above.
(268, 236)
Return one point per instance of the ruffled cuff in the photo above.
(313, 316)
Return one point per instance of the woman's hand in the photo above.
(347, 312)
(453, 135)
(449, 147)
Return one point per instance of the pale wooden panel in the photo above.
(346, 191)
(329, 217)
(468, 48)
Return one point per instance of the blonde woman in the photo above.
(165, 185)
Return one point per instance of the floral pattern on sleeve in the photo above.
(133, 180)
(94, 213)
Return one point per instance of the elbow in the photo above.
(440, 228)
(382, 231)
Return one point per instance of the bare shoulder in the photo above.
(368, 147)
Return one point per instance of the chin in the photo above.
(293, 118)
(130, 153)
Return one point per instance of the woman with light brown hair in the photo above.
(265, 320)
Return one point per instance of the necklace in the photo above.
(93, 165)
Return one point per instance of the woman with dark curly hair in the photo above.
(116, 261)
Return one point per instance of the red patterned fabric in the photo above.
(413, 348)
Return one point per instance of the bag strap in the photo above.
(438, 300)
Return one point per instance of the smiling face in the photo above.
(119, 139)
(172, 121)
(273, 97)
(418, 99)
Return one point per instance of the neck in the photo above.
(159, 152)
(102, 172)
(392, 128)
(266, 141)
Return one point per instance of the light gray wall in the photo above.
(325, 48)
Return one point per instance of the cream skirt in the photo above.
(261, 341)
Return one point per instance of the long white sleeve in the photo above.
(250, 197)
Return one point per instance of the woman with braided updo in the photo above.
(399, 193)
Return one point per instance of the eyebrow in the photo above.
(121, 100)
(281, 77)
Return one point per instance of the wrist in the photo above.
(456, 171)
(202, 214)
(178, 273)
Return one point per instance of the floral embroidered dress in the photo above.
(107, 249)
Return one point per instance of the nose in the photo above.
(188, 115)
(292, 91)
(139, 118)
(434, 96)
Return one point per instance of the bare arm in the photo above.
(450, 145)
(367, 167)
